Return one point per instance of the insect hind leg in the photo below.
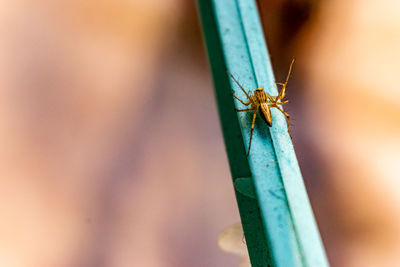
(287, 117)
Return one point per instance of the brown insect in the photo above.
(262, 102)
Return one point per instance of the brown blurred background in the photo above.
(111, 149)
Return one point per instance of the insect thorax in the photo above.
(260, 95)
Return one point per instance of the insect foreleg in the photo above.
(241, 101)
(248, 96)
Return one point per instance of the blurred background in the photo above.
(111, 150)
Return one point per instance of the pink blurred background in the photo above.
(112, 153)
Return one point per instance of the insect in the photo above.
(262, 102)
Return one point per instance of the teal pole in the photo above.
(275, 211)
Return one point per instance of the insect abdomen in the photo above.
(265, 113)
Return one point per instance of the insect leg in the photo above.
(287, 117)
(248, 96)
(281, 102)
(252, 129)
(241, 110)
(273, 100)
(282, 93)
(241, 101)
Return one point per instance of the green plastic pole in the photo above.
(276, 215)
